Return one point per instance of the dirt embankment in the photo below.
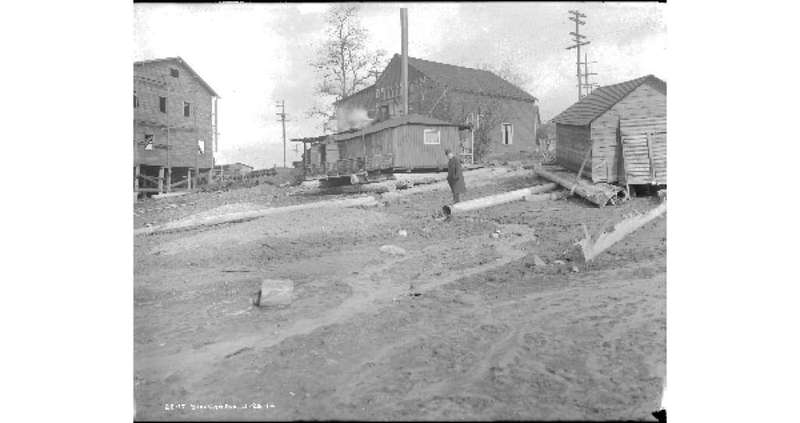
(463, 325)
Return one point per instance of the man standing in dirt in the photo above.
(454, 176)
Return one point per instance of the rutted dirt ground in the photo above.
(490, 335)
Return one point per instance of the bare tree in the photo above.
(479, 112)
(344, 63)
(508, 71)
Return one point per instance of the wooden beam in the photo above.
(149, 178)
(198, 220)
(179, 183)
(592, 248)
(137, 170)
(160, 180)
(598, 196)
(169, 179)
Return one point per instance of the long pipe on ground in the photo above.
(197, 221)
(597, 196)
(494, 200)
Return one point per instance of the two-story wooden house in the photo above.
(174, 125)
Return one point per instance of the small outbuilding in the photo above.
(401, 143)
(617, 134)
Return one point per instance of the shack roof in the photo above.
(411, 119)
(182, 62)
(600, 100)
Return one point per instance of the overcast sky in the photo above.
(255, 54)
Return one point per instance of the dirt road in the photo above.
(464, 325)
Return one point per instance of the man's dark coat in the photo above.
(455, 177)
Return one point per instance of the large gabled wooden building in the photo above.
(454, 94)
(617, 134)
(174, 125)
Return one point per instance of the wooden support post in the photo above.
(160, 180)
(137, 170)
(169, 179)
(189, 177)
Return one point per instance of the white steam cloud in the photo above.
(352, 119)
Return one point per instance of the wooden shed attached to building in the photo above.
(618, 133)
(406, 142)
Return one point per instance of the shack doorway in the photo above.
(644, 150)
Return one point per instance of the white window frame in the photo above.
(427, 131)
(510, 133)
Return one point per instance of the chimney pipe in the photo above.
(404, 68)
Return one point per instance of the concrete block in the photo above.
(275, 292)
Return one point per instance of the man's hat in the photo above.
(446, 151)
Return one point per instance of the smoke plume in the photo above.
(352, 119)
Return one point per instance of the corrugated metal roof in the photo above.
(412, 119)
(595, 104)
(179, 60)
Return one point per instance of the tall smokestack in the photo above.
(404, 68)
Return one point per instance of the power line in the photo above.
(282, 114)
(577, 38)
(586, 74)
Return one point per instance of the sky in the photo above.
(254, 55)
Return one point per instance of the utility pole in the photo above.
(586, 74)
(577, 37)
(282, 114)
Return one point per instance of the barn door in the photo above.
(644, 150)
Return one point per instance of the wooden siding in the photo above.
(521, 114)
(411, 152)
(645, 101)
(644, 146)
(572, 145)
(404, 144)
(153, 80)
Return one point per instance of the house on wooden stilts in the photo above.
(617, 134)
(174, 126)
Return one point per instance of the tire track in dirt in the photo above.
(370, 292)
(531, 363)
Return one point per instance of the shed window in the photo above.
(174, 73)
(508, 133)
(186, 109)
(162, 104)
(201, 146)
(431, 136)
(148, 142)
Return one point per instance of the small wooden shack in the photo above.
(617, 134)
(401, 143)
